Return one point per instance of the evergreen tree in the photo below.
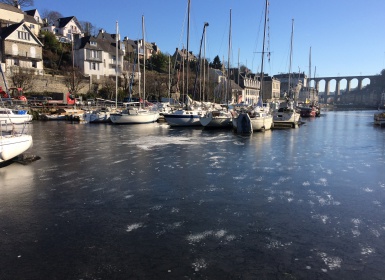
(216, 64)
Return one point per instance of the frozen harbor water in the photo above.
(153, 202)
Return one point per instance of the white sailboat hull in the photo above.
(183, 118)
(286, 118)
(97, 117)
(14, 145)
(7, 116)
(135, 118)
(246, 124)
(219, 120)
(261, 123)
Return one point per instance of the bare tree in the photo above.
(73, 80)
(108, 89)
(22, 3)
(22, 78)
(50, 16)
(157, 86)
(88, 28)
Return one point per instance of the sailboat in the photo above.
(255, 118)
(12, 142)
(309, 108)
(9, 116)
(136, 114)
(190, 115)
(219, 116)
(285, 114)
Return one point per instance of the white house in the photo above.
(65, 28)
(96, 56)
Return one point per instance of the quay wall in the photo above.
(48, 83)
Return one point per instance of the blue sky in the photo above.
(347, 37)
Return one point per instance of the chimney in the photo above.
(16, 4)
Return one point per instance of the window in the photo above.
(94, 66)
(15, 49)
(93, 43)
(32, 52)
(34, 64)
(16, 62)
(23, 35)
(94, 54)
(31, 26)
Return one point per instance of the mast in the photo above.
(199, 59)
(204, 69)
(169, 78)
(139, 74)
(239, 70)
(116, 65)
(291, 55)
(310, 73)
(228, 92)
(183, 59)
(263, 51)
(144, 64)
(188, 40)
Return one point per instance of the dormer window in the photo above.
(93, 43)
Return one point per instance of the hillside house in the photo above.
(10, 14)
(96, 56)
(182, 54)
(65, 28)
(20, 48)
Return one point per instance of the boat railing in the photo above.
(9, 127)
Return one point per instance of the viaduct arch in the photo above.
(338, 80)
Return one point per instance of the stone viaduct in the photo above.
(338, 80)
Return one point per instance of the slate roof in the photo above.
(31, 12)
(62, 22)
(10, 8)
(105, 43)
(29, 18)
(6, 31)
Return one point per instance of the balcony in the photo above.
(24, 57)
(93, 59)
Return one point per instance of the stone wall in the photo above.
(48, 84)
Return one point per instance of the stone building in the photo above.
(20, 48)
